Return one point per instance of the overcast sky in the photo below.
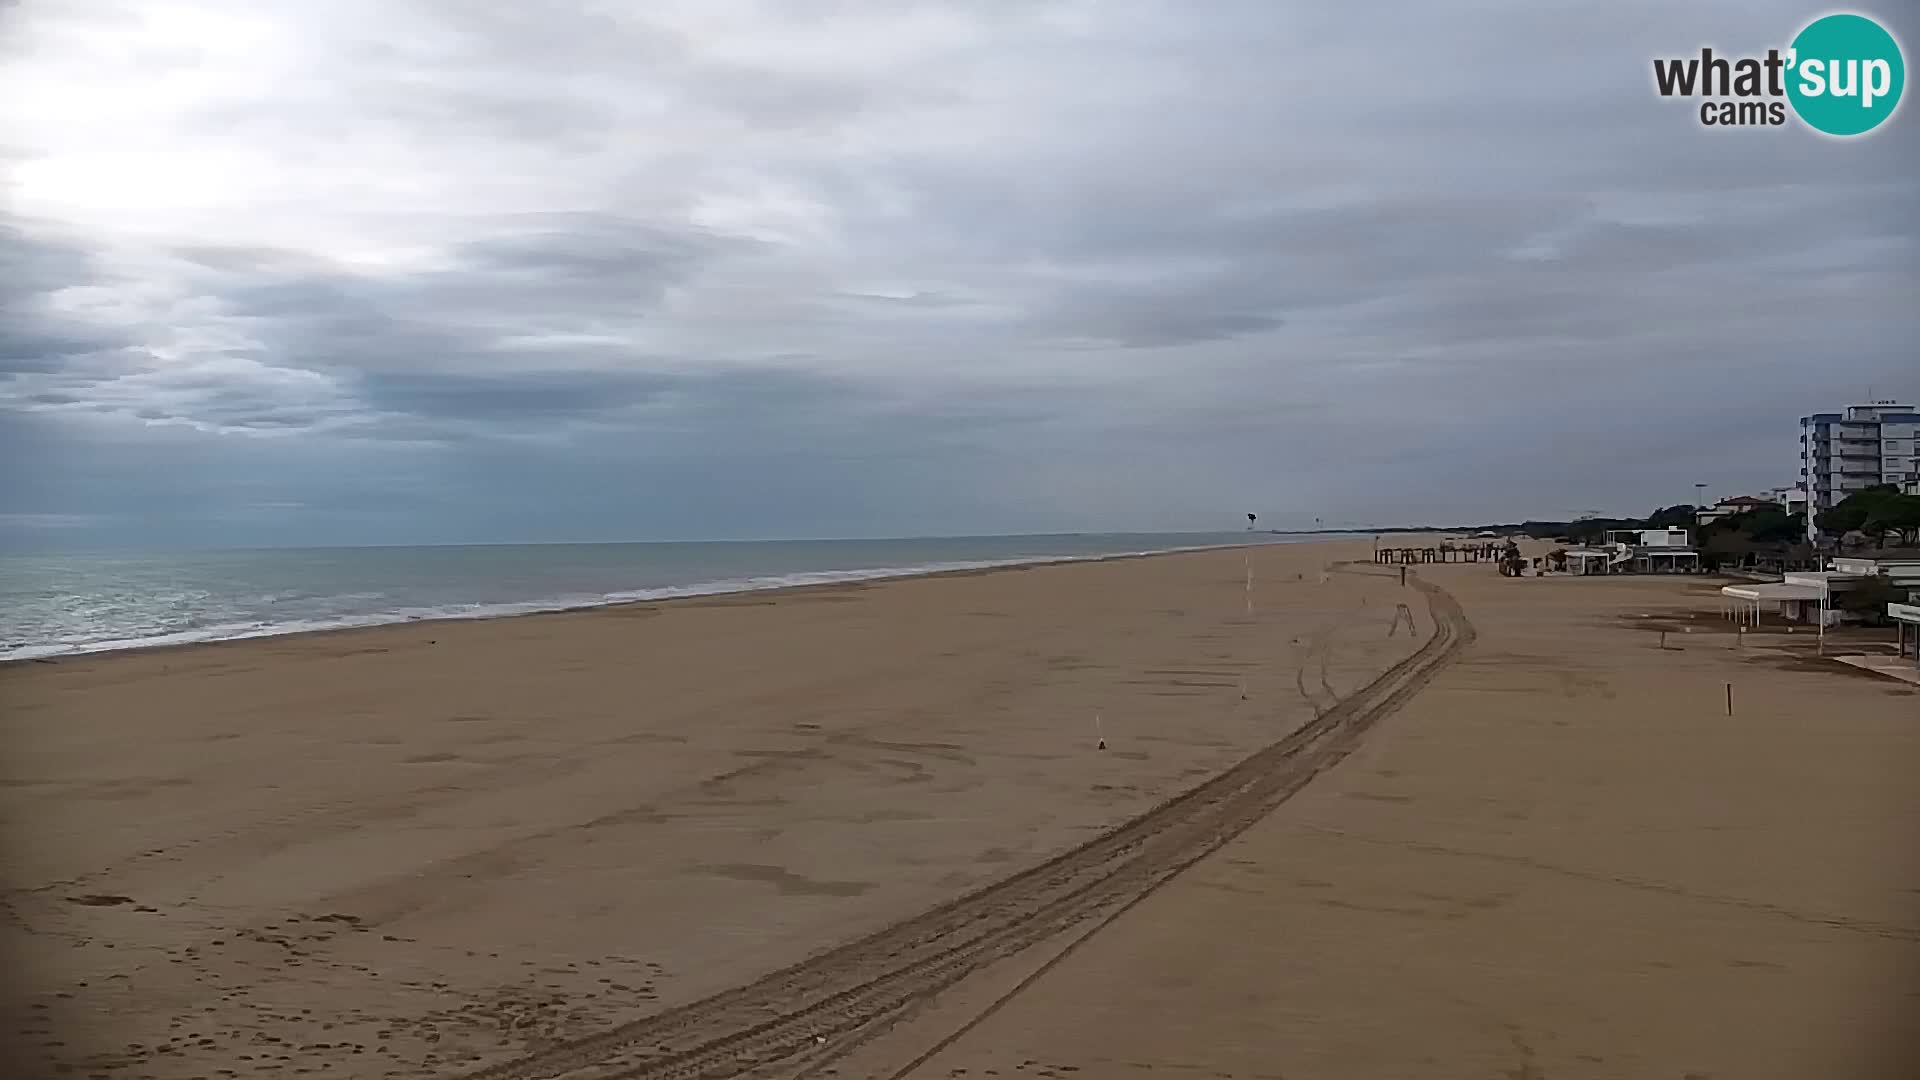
(436, 270)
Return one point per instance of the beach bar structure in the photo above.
(1665, 561)
(1585, 561)
(1747, 604)
(1900, 573)
(1798, 598)
(1637, 551)
(1444, 553)
(1906, 623)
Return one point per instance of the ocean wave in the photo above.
(241, 630)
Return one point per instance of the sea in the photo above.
(56, 605)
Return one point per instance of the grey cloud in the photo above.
(1177, 313)
(242, 260)
(598, 253)
(35, 336)
(1065, 266)
(368, 351)
(912, 300)
(533, 397)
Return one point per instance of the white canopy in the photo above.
(1775, 591)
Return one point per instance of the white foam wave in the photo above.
(351, 620)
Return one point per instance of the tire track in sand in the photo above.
(806, 1014)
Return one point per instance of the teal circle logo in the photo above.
(1845, 74)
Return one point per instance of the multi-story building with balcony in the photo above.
(1851, 450)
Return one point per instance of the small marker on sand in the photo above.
(1099, 732)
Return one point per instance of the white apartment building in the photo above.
(1864, 445)
(1793, 498)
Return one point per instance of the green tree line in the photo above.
(1881, 512)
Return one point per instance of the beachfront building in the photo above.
(1786, 601)
(1856, 448)
(1900, 573)
(1795, 598)
(1803, 597)
(1792, 497)
(1636, 551)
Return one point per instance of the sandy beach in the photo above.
(1562, 859)
(873, 831)
(409, 850)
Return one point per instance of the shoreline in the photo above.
(669, 594)
(534, 831)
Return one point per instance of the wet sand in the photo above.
(1562, 859)
(419, 850)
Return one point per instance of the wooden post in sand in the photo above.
(1729, 699)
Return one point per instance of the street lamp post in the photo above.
(1822, 645)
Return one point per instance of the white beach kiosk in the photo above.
(1796, 598)
(1793, 601)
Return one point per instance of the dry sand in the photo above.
(1562, 859)
(545, 846)
(422, 849)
